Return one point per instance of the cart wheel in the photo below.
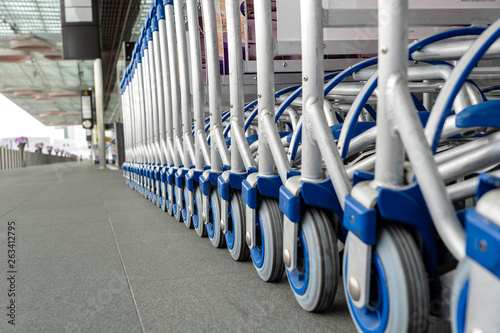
(267, 254)
(235, 235)
(199, 226)
(177, 210)
(213, 226)
(458, 308)
(399, 291)
(164, 202)
(314, 281)
(153, 186)
(174, 200)
(170, 206)
(187, 218)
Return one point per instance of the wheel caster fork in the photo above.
(480, 269)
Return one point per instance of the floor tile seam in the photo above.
(134, 301)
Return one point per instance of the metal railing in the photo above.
(14, 159)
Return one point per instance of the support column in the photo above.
(99, 98)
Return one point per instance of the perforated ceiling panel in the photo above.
(32, 82)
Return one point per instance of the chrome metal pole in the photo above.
(392, 57)
(312, 83)
(213, 74)
(187, 121)
(174, 80)
(146, 82)
(155, 129)
(265, 78)
(197, 82)
(142, 104)
(166, 80)
(430, 182)
(233, 24)
(160, 100)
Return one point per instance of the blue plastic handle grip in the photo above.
(160, 10)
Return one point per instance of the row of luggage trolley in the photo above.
(292, 178)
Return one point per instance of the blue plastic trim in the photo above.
(462, 308)
(196, 175)
(160, 11)
(414, 47)
(252, 170)
(339, 77)
(486, 183)
(486, 114)
(360, 176)
(444, 35)
(289, 204)
(417, 103)
(259, 253)
(458, 85)
(154, 22)
(152, 10)
(212, 177)
(170, 176)
(295, 147)
(183, 210)
(211, 218)
(479, 231)
(408, 206)
(249, 120)
(235, 180)
(287, 103)
(371, 111)
(269, 186)
(322, 195)
(204, 186)
(493, 88)
(230, 229)
(195, 215)
(249, 194)
(149, 34)
(256, 111)
(168, 2)
(359, 128)
(360, 220)
(223, 188)
(356, 113)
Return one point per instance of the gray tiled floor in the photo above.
(95, 256)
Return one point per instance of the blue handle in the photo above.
(160, 10)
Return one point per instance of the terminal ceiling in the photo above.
(32, 72)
